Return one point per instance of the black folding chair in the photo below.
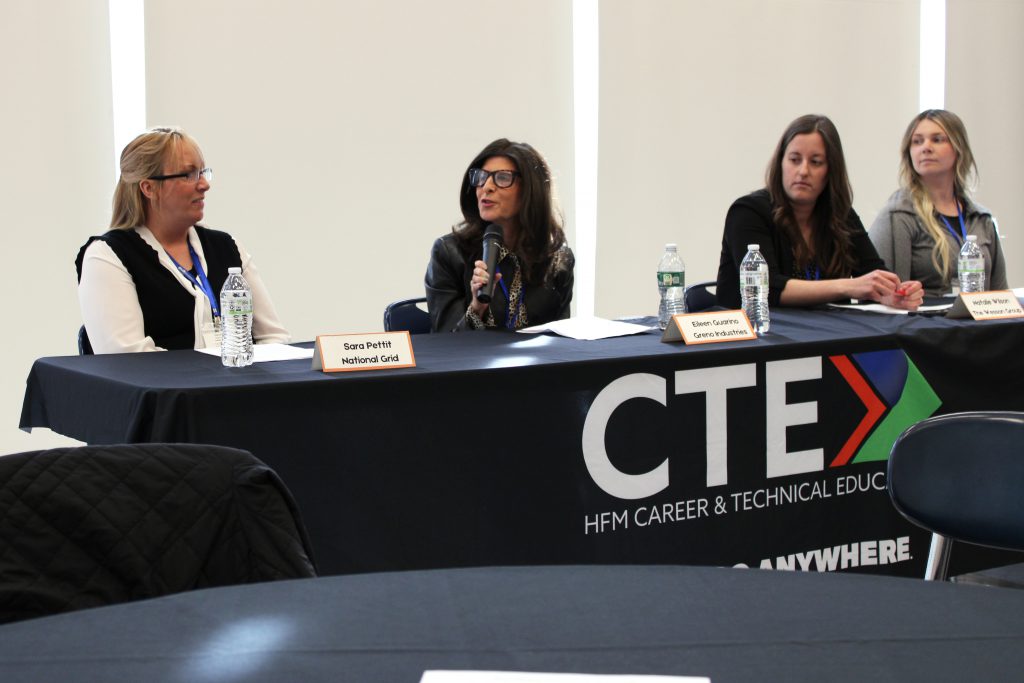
(84, 346)
(961, 477)
(699, 298)
(407, 315)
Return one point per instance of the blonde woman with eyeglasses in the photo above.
(920, 231)
(152, 282)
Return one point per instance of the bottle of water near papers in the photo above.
(671, 284)
(971, 266)
(754, 288)
(236, 321)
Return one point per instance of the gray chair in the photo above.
(961, 477)
(98, 525)
(407, 315)
(700, 297)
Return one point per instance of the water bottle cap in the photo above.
(670, 246)
(234, 270)
(753, 247)
(972, 238)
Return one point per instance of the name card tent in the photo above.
(994, 305)
(709, 327)
(369, 351)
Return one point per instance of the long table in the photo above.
(732, 625)
(503, 449)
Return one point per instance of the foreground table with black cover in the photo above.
(505, 449)
(733, 625)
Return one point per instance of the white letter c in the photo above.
(612, 480)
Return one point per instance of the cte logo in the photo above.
(887, 384)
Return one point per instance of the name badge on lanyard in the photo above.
(211, 334)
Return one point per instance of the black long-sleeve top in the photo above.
(749, 221)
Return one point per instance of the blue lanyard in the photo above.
(817, 273)
(510, 320)
(202, 283)
(962, 237)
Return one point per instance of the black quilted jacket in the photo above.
(96, 525)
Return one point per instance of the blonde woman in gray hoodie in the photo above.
(920, 231)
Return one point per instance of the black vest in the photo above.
(168, 309)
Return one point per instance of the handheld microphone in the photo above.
(494, 237)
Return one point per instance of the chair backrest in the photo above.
(699, 298)
(407, 315)
(961, 476)
(84, 346)
(96, 525)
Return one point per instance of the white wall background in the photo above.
(339, 131)
(985, 86)
(55, 182)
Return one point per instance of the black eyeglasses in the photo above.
(478, 177)
(190, 176)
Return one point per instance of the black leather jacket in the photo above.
(448, 292)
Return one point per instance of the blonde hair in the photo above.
(965, 172)
(143, 158)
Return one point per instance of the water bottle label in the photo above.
(670, 279)
(754, 278)
(236, 304)
(972, 265)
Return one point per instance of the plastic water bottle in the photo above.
(671, 284)
(971, 266)
(236, 321)
(754, 288)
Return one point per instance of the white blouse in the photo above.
(112, 313)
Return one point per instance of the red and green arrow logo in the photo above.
(895, 395)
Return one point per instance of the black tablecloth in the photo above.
(730, 624)
(478, 456)
(117, 397)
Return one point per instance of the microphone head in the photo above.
(494, 232)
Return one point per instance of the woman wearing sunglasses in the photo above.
(153, 281)
(507, 187)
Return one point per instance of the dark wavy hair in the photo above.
(833, 244)
(540, 227)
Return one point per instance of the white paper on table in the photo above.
(588, 328)
(882, 308)
(441, 676)
(263, 353)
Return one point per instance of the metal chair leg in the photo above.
(937, 568)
